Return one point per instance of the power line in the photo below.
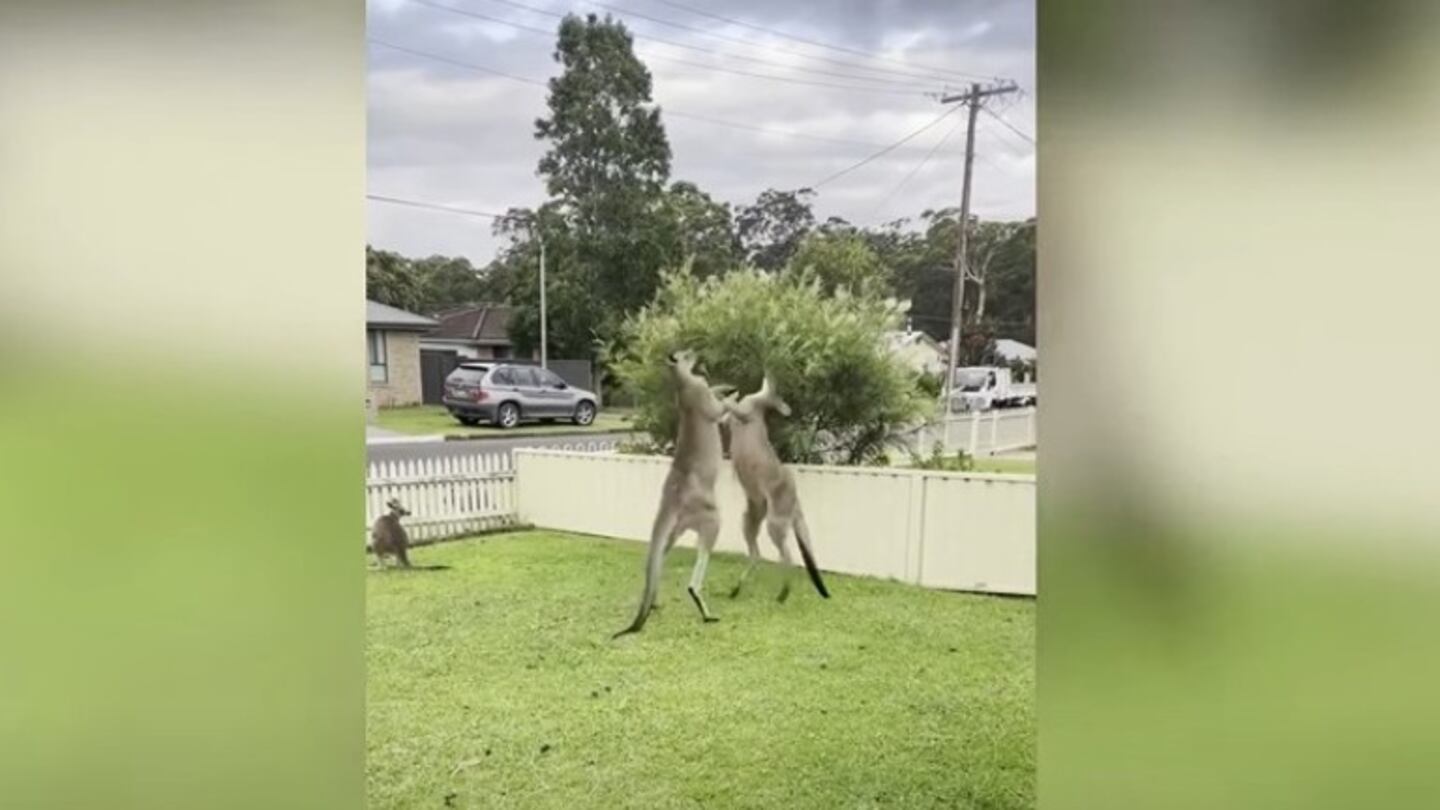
(551, 34)
(916, 170)
(1007, 124)
(722, 38)
(816, 43)
(886, 150)
(437, 207)
(671, 43)
(770, 130)
(665, 110)
(772, 77)
(455, 62)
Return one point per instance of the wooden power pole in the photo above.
(973, 97)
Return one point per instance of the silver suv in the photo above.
(505, 394)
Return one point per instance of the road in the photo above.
(433, 449)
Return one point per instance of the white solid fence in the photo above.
(447, 496)
(959, 531)
(978, 433)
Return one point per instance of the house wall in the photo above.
(402, 349)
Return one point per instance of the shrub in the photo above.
(826, 353)
(938, 460)
(930, 385)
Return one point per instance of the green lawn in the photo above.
(494, 683)
(1025, 466)
(424, 420)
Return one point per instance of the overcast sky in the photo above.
(445, 134)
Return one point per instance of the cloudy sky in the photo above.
(448, 134)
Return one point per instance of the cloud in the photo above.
(444, 134)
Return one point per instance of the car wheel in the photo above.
(507, 415)
(468, 421)
(584, 413)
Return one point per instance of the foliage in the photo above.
(960, 461)
(771, 229)
(930, 385)
(606, 140)
(428, 285)
(390, 279)
(704, 229)
(841, 260)
(922, 270)
(826, 354)
(643, 446)
(611, 225)
(494, 683)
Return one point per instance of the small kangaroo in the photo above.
(769, 486)
(687, 500)
(387, 536)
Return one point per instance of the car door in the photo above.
(532, 400)
(559, 398)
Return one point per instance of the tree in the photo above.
(921, 265)
(390, 279)
(574, 318)
(606, 228)
(841, 260)
(704, 228)
(450, 282)
(827, 355)
(772, 228)
(606, 141)
(1011, 286)
(986, 240)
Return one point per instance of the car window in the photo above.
(503, 376)
(524, 376)
(466, 375)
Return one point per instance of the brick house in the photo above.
(392, 351)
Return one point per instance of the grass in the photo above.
(1024, 466)
(426, 420)
(494, 683)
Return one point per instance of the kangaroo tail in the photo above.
(802, 534)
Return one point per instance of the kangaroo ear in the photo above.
(781, 406)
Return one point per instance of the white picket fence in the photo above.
(447, 496)
(452, 496)
(957, 531)
(978, 433)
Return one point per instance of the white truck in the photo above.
(980, 388)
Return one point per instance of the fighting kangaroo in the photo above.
(769, 486)
(688, 498)
(387, 536)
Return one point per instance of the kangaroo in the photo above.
(687, 500)
(387, 536)
(769, 486)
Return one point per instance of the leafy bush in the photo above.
(938, 460)
(930, 385)
(826, 354)
(642, 446)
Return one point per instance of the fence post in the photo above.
(974, 432)
(1030, 427)
(994, 431)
